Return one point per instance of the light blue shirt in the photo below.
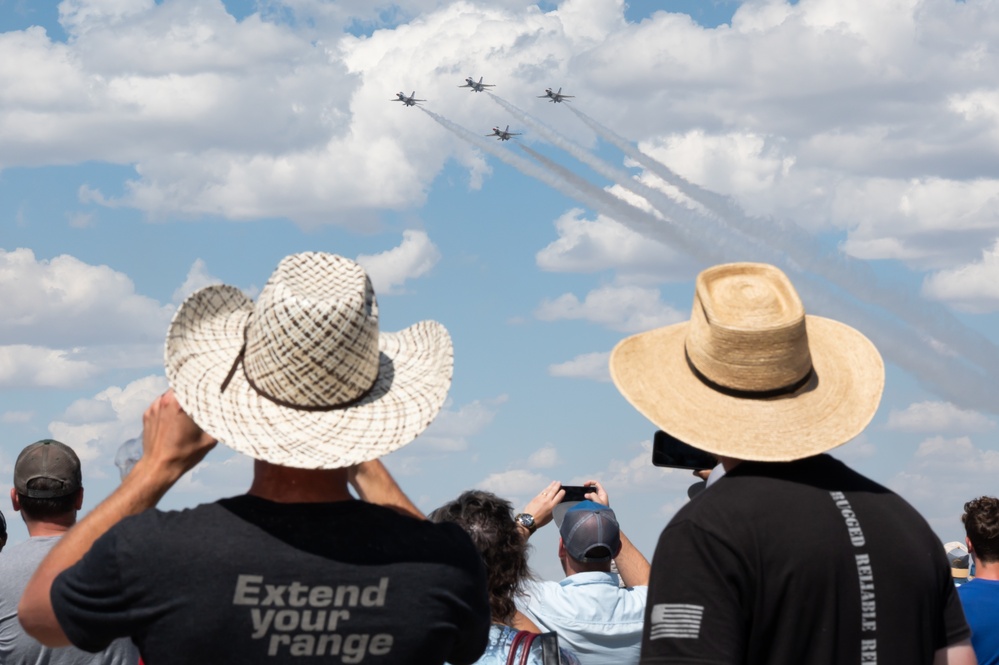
(597, 619)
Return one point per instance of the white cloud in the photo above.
(198, 278)
(544, 458)
(638, 473)
(973, 287)
(23, 366)
(938, 417)
(64, 302)
(623, 308)
(944, 474)
(592, 366)
(743, 162)
(860, 448)
(16, 417)
(80, 220)
(94, 427)
(514, 483)
(929, 222)
(585, 246)
(452, 428)
(415, 257)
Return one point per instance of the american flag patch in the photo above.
(675, 620)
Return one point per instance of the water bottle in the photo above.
(128, 454)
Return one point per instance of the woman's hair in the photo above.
(488, 519)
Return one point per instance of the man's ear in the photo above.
(620, 546)
(13, 500)
(561, 549)
(78, 503)
(967, 541)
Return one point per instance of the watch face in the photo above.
(526, 520)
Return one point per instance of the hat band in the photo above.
(750, 394)
(280, 402)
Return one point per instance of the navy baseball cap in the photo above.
(590, 532)
(51, 460)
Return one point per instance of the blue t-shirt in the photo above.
(980, 599)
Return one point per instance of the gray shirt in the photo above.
(17, 564)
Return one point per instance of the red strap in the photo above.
(526, 646)
(522, 639)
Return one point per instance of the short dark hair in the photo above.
(981, 522)
(488, 519)
(42, 509)
(3, 526)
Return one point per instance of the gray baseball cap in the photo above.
(51, 460)
(590, 532)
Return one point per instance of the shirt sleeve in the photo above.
(90, 599)
(473, 628)
(698, 590)
(955, 626)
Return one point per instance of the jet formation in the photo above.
(479, 86)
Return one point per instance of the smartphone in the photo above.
(577, 492)
(667, 450)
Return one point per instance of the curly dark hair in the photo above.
(488, 519)
(981, 522)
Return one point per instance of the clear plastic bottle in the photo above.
(128, 454)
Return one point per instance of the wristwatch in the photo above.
(527, 521)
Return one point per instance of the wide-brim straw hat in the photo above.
(303, 378)
(750, 375)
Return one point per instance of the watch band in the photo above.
(526, 520)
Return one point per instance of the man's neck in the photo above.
(40, 529)
(284, 484)
(987, 571)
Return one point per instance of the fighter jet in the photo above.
(554, 96)
(476, 86)
(408, 101)
(503, 134)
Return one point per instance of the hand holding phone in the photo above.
(578, 492)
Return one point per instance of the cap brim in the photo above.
(206, 336)
(559, 511)
(651, 371)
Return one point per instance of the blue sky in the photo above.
(148, 149)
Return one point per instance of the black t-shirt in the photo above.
(248, 580)
(799, 562)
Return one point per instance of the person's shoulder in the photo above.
(422, 539)
(29, 552)
(979, 587)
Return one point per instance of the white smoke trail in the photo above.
(586, 192)
(855, 277)
(902, 344)
(735, 244)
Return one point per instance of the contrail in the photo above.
(855, 277)
(737, 245)
(525, 166)
(900, 344)
(906, 347)
(586, 192)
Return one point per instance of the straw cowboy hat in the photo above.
(750, 376)
(303, 378)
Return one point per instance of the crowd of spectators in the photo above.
(786, 556)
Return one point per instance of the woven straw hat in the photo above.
(303, 378)
(750, 376)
